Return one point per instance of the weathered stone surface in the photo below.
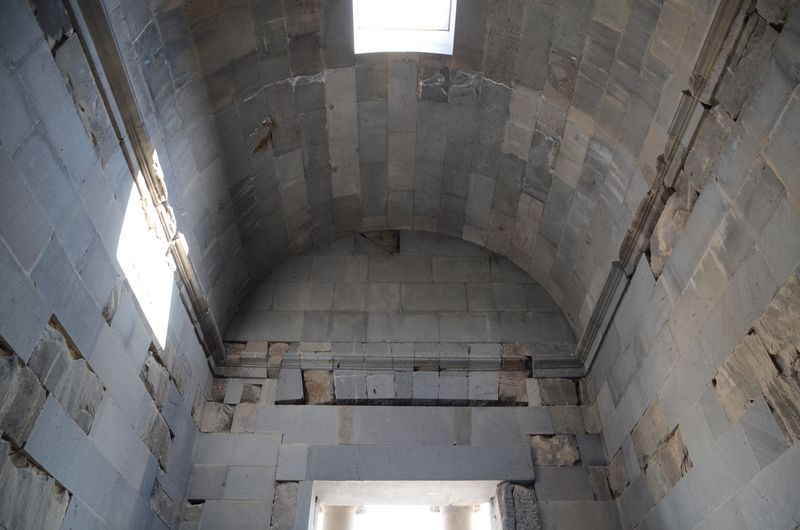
(558, 392)
(66, 375)
(617, 474)
(31, 499)
(156, 435)
(251, 393)
(777, 327)
(667, 231)
(319, 387)
(599, 483)
(156, 380)
(216, 417)
(559, 450)
(191, 513)
(276, 353)
(172, 361)
(592, 421)
(284, 506)
(526, 511)
(515, 507)
(513, 388)
(244, 418)
(217, 391)
(21, 398)
(667, 466)
(775, 11)
(783, 395)
(744, 376)
(649, 432)
(162, 505)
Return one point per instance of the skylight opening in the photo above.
(404, 26)
(418, 517)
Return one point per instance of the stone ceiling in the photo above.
(536, 139)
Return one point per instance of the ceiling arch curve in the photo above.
(537, 138)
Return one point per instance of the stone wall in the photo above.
(696, 371)
(94, 404)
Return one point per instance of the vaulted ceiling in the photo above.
(536, 139)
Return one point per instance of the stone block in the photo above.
(512, 389)
(215, 417)
(558, 450)
(290, 386)
(567, 419)
(284, 506)
(19, 208)
(249, 483)
(425, 387)
(237, 514)
(667, 466)
(744, 376)
(156, 435)
(292, 463)
(351, 387)
(617, 474)
(650, 432)
(703, 424)
(380, 388)
(31, 499)
(244, 418)
(563, 483)
(156, 380)
(599, 482)
(776, 327)
(318, 387)
(782, 395)
(453, 388)
(22, 398)
(684, 385)
(558, 392)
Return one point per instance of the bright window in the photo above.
(404, 26)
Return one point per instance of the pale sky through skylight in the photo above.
(404, 26)
(410, 517)
(408, 14)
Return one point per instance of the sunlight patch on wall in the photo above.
(143, 258)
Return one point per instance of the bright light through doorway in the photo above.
(404, 26)
(396, 517)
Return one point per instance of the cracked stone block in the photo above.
(744, 376)
(667, 466)
(558, 450)
(617, 474)
(599, 483)
(191, 513)
(65, 373)
(592, 421)
(244, 418)
(380, 389)
(216, 417)
(156, 435)
(156, 380)
(319, 387)
(21, 398)
(649, 432)
(172, 361)
(558, 392)
(31, 498)
(515, 506)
